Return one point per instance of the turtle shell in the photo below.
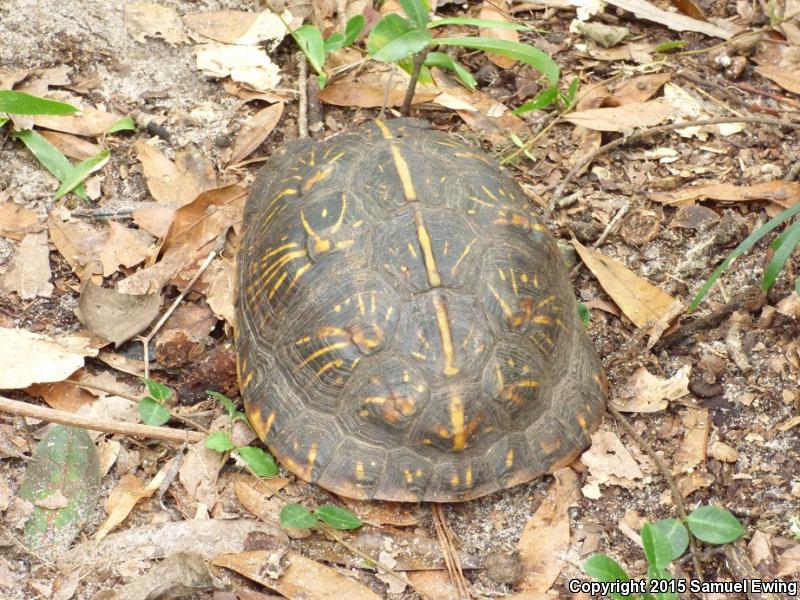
(406, 326)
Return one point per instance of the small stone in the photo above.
(504, 567)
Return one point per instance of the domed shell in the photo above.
(406, 327)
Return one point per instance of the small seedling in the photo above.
(152, 409)
(309, 39)
(297, 516)
(260, 462)
(783, 247)
(663, 542)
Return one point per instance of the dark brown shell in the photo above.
(406, 327)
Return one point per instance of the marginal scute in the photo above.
(406, 328)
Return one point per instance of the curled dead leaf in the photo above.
(113, 315)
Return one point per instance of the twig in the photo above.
(419, 60)
(146, 339)
(5, 531)
(315, 124)
(645, 133)
(167, 434)
(386, 92)
(451, 560)
(612, 225)
(302, 100)
(677, 498)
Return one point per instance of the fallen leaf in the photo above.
(645, 392)
(27, 358)
(688, 107)
(676, 22)
(238, 27)
(17, 221)
(154, 219)
(302, 578)
(145, 20)
(545, 538)
(169, 183)
(113, 315)
(63, 396)
(759, 548)
(77, 241)
(723, 452)
(198, 474)
(606, 36)
(379, 513)
(641, 301)
(124, 246)
(71, 145)
(246, 64)
(253, 494)
(151, 280)
(29, 273)
(622, 118)
(205, 218)
(493, 10)
(435, 584)
(609, 463)
(784, 193)
(218, 286)
(691, 452)
(371, 90)
(786, 78)
(640, 89)
(90, 122)
(255, 131)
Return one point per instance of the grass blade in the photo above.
(791, 238)
(522, 52)
(20, 103)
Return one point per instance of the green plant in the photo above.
(663, 542)
(259, 461)
(297, 516)
(152, 409)
(71, 176)
(783, 246)
(316, 49)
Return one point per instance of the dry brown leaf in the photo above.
(145, 20)
(645, 392)
(155, 220)
(384, 513)
(610, 463)
(151, 280)
(691, 452)
(205, 218)
(640, 89)
(302, 578)
(622, 118)
(77, 241)
(29, 273)
(113, 315)
(784, 193)
(759, 548)
(786, 78)
(198, 474)
(690, 107)
(255, 131)
(253, 494)
(217, 284)
(27, 358)
(124, 246)
(494, 11)
(723, 452)
(128, 491)
(789, 562)
(676, 22)
(250, 65)
(545, 538)
(71, 145)
(89, 122)
(238, 90)
(369, 90)
(641, 301)
(236, 26)
(167, 181)
(61, 395)
(17, 221)
(435, 584)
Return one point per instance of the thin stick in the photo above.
(167, 434)
(419, 60)
(677, 498)
(302, 101)
(655, 131)
(446, 542)
(612, 225)
(146, 339)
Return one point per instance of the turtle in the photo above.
(406, 328)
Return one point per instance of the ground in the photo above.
(720, 405)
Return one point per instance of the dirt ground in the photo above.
(743, 371)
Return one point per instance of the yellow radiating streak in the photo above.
(387, 135)
(321, 175)
(503, 304)
(315, 355)
(276, 250)
(462, 257)
(427, 251)
(339, 221)
(404, 174)
(277, 285)
(334, 364)
(457, 420)
(266, 277)
(443, 324)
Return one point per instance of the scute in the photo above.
(406, 327)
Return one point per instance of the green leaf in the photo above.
(3, 121)
(657, 547)
(334, 42)
(64, 467)
(395, 38)
(262, 463)
(124, 124)
(606, 569)
(82, 170)
(443, 61)
(157, 391)
(655, 574)
(230, 407)
(522, 52)
(153, 413)
(543, 99)
(20, 103)
(49, 156)
(417, 11)
(670, 46)
(353, 29)
(786, 246)
(309, 38)
(297, 516)
(676, 533)
(748, 243)
(338, 518)
(219, 441)
(572, 92)
(586, 316)
(714, 525)
(479, 23)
